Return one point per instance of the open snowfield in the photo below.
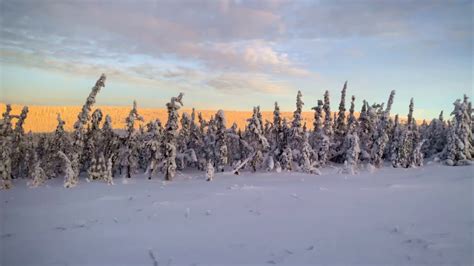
(418, 216)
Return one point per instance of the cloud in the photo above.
(216, 33)
(236, 83)
(228, 45)
(340, 19)
(141, 75)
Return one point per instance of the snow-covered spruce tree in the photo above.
(328, 130)
(210, 142)
(129, 148)
(307, 162)
(452, 150)
(6, 139)
(233, 143)
(267, 129)
(221, 142)
(80, 126)
(416, 159)
(466, 127)
(395, 142)
(60, 141)
(30, 156)
(204, 152)
(143, 153)
(404, 150)
(98, 169)
(254, 142)
(352, 150)
(256, 138)
(110, 143)
(182, 141)
(390, 125)
(94, 159)
(277, 123)
(328, 125)
(436, 137)
(153, 144)
(406, 141)
(276, 138)
(71, 178)
(380, 137)
(459, 148)
(42, 147)
(409, 144)
(321, 142)
(286, 159)
(195, 139)
(317, 123)
(352, 119)
(83, 117)
(417, 155)
(296, 131)
(19, 147)
(366, 130)
(171, 133)
(237, 146)
(340, 128)
(38, 176)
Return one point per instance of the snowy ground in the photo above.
(390, 217)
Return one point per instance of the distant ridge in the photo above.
(42, 118)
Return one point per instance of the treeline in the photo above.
(372, 139)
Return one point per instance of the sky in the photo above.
(234, 55)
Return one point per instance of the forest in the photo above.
(95, 150)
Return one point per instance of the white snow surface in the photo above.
(420, 216)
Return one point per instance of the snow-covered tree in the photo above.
(459, 148)
(352, 119)
(276, 137)
(395, 142)
(352, 150)
(321, 142)
(19, 146)
(308, 156)
(110, 143)
(221, 140)
(256, 139)
(253, 143)
(6, 139)
(286, 159)
(340, 128)
(366, 130)
(296, 122)
(183, 140)
(78, 141)
(328, 129)
(435, 136)
(94, 158)
(98, 169)
(153, 144)
(84, 116)
(71, 178)
(171, 133)
(38, 176)
(128, 156)
(195, 141)
(407, 152)
(380, 137)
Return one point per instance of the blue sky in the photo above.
(237, 54)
